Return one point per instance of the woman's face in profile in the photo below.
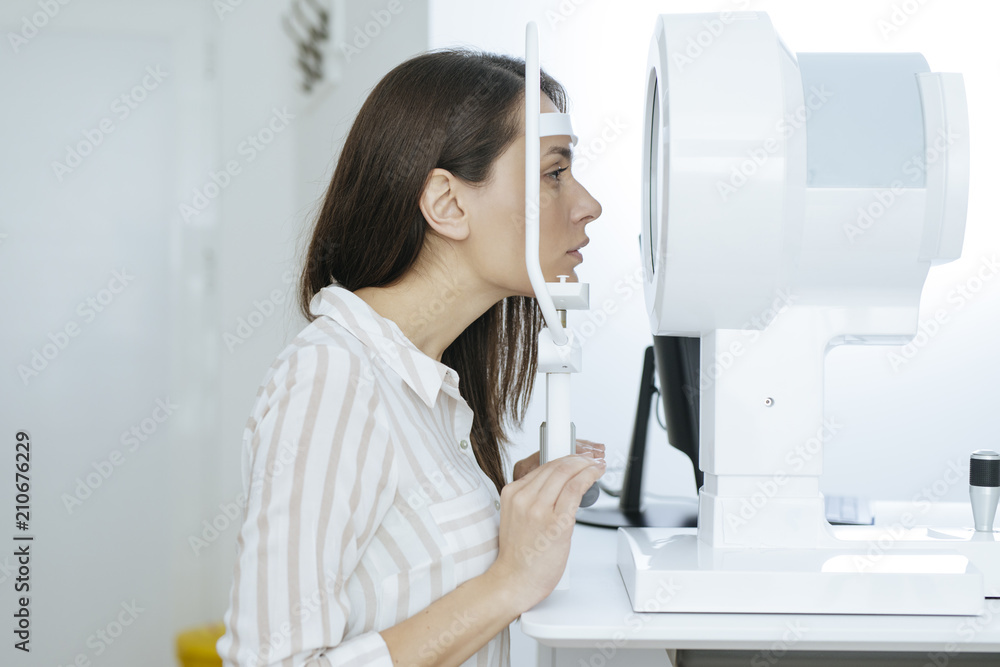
(566, 207)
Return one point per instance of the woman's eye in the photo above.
(555, 174)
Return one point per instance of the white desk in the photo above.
(595, 618)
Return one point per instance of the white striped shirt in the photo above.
(365, 502)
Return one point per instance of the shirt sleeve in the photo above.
(322, 476)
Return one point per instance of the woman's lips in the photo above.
(576, 253)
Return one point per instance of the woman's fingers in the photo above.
(547, 488)
(586, 450)
(595, 449)
(572, 493)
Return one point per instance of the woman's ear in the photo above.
(441, 203)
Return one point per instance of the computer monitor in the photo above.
(676, 360)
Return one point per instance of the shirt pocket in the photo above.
(470, 527)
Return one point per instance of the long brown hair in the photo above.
(454, 109)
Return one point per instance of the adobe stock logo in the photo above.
(255, 319)
(61, 338)
(137, 435)
(253, 145)
(362, 39)
(31, 25)
(122, 107)
(963, 292)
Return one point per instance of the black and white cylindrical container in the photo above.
(984, 487)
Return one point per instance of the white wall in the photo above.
(200, 266)
(106, 505)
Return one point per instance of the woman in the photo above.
(378, 528)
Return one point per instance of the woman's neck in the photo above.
(432, 307)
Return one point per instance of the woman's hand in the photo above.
(524, 466)
(537, 516)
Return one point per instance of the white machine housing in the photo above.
(791, 203)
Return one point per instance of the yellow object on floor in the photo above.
(196, 647)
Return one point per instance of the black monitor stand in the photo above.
(677, 359)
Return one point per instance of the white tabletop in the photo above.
(596, 611)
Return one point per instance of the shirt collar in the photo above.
(384, 338)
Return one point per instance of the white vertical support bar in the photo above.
(557, 414)
(557, 432)
(557, 408)
(532, 178)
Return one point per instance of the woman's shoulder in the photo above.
(322, 351)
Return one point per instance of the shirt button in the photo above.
(496, 503)
(464, 444)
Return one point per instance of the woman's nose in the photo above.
(589, 208)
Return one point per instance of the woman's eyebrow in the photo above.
(561, 150)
